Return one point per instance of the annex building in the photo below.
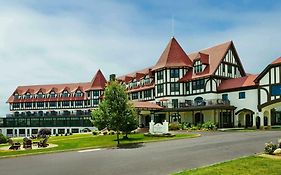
(207, 85)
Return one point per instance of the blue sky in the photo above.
(62, 41)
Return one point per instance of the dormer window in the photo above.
(133, 83)
(198, 67)
(40, 95)
(52, 94)
(16, 96)
(175, 73)
(64, 94)
(78, 94)
(27, 95)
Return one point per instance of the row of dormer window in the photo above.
(52, 94)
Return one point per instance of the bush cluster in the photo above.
(270, 148)
(3, 139)
(205, 126)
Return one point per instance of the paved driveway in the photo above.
(152, 158)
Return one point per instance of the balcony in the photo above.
(196, 104)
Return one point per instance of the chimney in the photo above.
(112, 77)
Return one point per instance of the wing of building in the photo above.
(208, 85)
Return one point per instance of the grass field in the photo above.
(85, 141)
(243, 166)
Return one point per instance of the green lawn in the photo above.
(85, 141)
(243, 166)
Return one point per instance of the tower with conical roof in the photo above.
(170, 67)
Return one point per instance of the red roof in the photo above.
(97, 83)
(138, 75)
(173, 56)
(142, 88)
(246, 81)
(146, 105)
(211, 57)
(277, 61)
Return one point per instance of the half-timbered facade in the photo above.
(208, 85)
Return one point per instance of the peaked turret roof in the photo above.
(98, 82)
(173, 56)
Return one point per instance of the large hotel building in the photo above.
(207, 85)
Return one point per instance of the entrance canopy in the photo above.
(145, 105)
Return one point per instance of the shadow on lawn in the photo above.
(130, 145)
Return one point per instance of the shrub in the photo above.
(270, 148)
(65, 134)
(10, 141)
(279, 143)
(208, 125)
(104, 133)
(57, 134)
(70, 133)
(174, 126)
(112, 132)
(95, 132)
(3, 139)
(44, 132)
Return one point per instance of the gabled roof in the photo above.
(213, 56)
(129, 77)
(277, 61)
(98, 82)
(173, 56)
(236, 83)
(273, 64)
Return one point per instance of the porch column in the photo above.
(254, 120)
(269, 118)
(193, 121)
(262, 119)
(152, 117)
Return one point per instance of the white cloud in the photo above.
(42, 44)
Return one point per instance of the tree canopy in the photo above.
(115, 112)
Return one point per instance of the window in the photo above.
(95, 102)
(147, 93)
(223, 67)
(198, 67)
(135, 95)
(133, 84)
(40, 104)
(175, 87)
(28, 105)
(16, 96)
(160, 75)
(242, 95)
(146, 81)
(78, 103)
(187, 87)
(198, 84)
(160, 88)
(16, 105)
(64, 94)
(224, 97)
(175, 103)
(65, 103)
(229, 69)
(27, 95)
(175, 73)
(78, 94)
(40, 95)
(96, 93)
(52, 94)
(53, 104)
